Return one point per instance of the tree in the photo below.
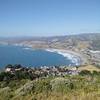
(6, 76)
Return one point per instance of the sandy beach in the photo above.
(75, 57)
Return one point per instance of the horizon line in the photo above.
(46, 36)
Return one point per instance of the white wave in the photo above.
(74, 58)
(94, 51)
(28, 48)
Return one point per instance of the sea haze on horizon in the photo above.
(31, 58)
(45, 36)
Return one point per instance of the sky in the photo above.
(49, 17)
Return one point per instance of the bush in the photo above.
(96, 73)
(85, 72)
(61, 85)
(5, 93)
(6, 76)
(25, 89)
(42, 86)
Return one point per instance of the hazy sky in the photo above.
(48, 17)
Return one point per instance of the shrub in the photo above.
(61, 85)
(25, 89)
(42, 85)
(5, 93)
(85, 72)
(6, 76)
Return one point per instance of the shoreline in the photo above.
(75, 57)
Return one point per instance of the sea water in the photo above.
(31, 57)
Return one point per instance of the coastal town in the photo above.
(44, 70)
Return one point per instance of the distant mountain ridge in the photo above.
(80, 41)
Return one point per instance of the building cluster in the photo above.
(44, 71)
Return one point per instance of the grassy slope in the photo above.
(89, 68)
(86, 87)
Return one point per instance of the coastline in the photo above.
(75, 57)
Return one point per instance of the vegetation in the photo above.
(85, 86)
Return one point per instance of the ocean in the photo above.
(29, 57)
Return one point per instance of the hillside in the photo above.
(19, 85)
(80, 41)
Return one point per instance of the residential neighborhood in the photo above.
(43, 71)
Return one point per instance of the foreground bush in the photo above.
(61, 85)
(79, 87)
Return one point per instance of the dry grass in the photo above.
(82, 45)
(90, 68)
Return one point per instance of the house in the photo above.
(9, 69)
